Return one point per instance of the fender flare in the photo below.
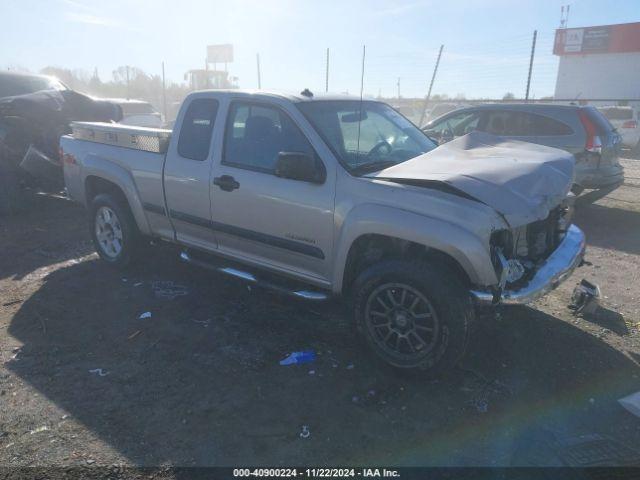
(95, 166)
(464, 247)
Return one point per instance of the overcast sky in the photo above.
(487, 42)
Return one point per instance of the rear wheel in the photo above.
(413, 316)
(113, 230)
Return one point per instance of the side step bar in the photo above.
(250, 278)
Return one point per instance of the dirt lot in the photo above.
(199, 382)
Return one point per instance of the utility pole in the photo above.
(398, 88)
(164, 95)
(326, 75)
(433, 78)
(533, 51)
(258, 64)
(364, 52)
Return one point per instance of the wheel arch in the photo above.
(380, 232)
(113, 179)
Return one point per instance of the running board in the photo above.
(250, 278)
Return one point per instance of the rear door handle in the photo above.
(226, 183)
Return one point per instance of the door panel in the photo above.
(187, 172)
(264, 218)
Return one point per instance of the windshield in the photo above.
(366, 136)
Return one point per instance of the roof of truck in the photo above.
(293, 97)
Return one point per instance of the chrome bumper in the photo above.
(556, 269)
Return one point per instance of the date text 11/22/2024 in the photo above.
(315, 472)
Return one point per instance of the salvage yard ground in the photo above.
(85, 381)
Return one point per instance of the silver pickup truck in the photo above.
(319, 197)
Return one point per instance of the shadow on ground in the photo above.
(199, 382)
(32, 240)
(610, 227)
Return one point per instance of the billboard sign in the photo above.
(220, 53)
(601, 39)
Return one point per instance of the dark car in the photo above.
(35, 110)
(580, 130)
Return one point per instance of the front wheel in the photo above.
(113, 230)
(413, 315)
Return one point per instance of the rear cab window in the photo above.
(196, 129)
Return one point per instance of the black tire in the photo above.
(124, 231)
(447, 302)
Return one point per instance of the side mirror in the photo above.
(300, 166)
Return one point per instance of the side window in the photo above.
(256, 134)
(509, 124)
(546, 126)
(196, 129)
(456, 125)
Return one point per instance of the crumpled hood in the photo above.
(522, 181)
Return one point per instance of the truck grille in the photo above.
(535, 241)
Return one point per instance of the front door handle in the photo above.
(226, 183)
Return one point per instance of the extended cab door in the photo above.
(261, 217)
(187, 173)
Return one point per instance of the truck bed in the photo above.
(155, 140)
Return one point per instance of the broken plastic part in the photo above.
(585, 298)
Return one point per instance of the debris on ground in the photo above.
(631, 403)
(298, 358)
(144, 315)
(134, 334)
(204, 323)
(168, 290)
(585, 298)
(12, 302)
(305, 433)
(44, 428)
(99, 371)
(350, 366)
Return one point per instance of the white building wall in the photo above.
(606, 75)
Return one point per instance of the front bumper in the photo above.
(555, 270)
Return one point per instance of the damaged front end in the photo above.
(533, 259)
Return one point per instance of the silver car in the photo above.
(580, 130)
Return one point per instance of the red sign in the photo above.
(621, 38)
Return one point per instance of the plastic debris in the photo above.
(168, 290)
(350, 366)
(144, 315)
(631, 403)
(312, 372)
(305, 433)
(44, 428)
(137, 284)
(100, 372)
(585, 298)
(298, 358)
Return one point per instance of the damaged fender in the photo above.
(467, 249)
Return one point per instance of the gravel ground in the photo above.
(85, 381)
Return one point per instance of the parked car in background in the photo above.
(580, 130)
(625, 120)
(34, 111)
(138, 113)
(326, 196)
